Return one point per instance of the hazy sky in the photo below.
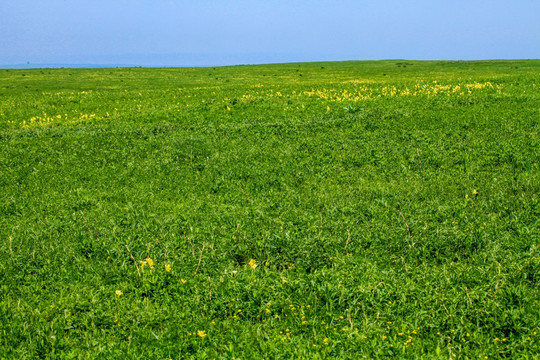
(207, 32)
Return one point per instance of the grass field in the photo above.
(320, 210)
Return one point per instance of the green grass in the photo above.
(391, 208)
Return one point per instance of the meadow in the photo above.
(384, 209)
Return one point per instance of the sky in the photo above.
(211, 33)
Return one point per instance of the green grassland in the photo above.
(319, 210)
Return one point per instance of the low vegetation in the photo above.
(321, 210)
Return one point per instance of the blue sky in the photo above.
(206, 32)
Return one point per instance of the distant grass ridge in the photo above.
(320, 210)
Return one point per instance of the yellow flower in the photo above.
(183, 281)
(325, 341)
(253, 263)
(475, 192)
(201, 333)
(150, 262)
(168, 268)
(118, 292)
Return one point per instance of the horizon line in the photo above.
(22, 66)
